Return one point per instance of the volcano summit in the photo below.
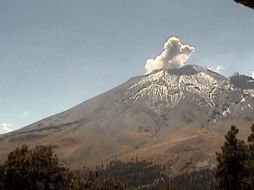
(176, 116)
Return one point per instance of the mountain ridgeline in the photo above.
(175, 117)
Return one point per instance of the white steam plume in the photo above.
(173, 55)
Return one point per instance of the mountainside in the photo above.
(176, 116)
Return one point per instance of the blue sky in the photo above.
(55, 54)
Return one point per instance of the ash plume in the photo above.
(174, 55)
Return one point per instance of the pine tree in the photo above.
(37, 168)
(109, 183)
(249, 173)
(231, 162)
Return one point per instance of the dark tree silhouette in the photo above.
(249, 173)
(109, 183)
(37, 168)
(231, 162)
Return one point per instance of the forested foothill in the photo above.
(39, 168)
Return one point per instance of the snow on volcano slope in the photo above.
(168, 90)
(163, 91)
(173, 115)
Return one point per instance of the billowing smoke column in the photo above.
(173, 55)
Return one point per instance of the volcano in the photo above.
(176, 117)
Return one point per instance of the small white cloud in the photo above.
(252, 74)
(25, 114)
(5, 128)
(173, 55)
(218, 68)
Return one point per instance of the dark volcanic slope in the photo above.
(178, 115)
(242, 81)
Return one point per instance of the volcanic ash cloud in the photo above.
(174, 55)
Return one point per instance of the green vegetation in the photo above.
(231, 170)
(249, 177)
(39, 168)
(36, 168)
(135, 173)
(236, 163)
